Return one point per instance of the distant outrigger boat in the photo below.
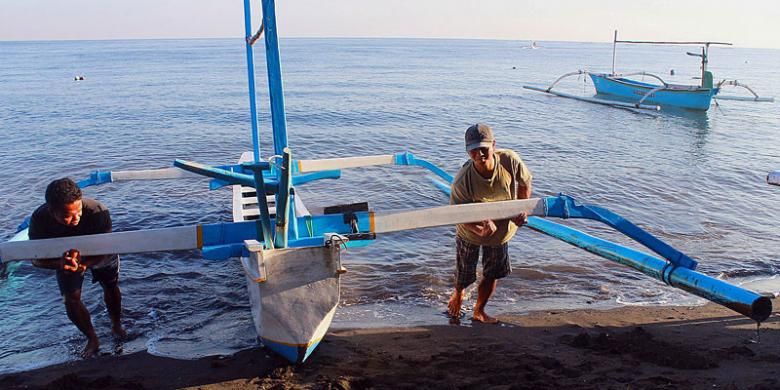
(636, 94)
(291, 255)
(773, 178)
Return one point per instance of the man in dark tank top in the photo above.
(67, 214)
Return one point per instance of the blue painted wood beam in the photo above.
(274, 67)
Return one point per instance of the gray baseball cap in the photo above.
(479, 136)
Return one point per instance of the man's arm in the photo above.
(523, 192)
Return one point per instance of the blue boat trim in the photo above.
(564, 206)
(96, 178)
(263, 224)
(24, 225)
(407, 158)
(229, 177)
(743, 301)
(294, 353)
(250, 70)
(695, 98)
(283, 200)
(274, 68)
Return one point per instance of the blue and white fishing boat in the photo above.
(692, 97)
(291, 255)
(620, 90)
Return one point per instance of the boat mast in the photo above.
(704, 50)
(704, 61)
(279, 122)
(273, 63)
(250, 70)
(614, 45)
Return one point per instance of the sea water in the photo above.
(693, 179)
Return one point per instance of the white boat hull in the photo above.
(293, 292)
(293, 295)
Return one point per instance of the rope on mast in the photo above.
(251, 40)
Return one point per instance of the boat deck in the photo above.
(245, 206)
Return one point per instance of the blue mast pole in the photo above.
(278, 117)
(250, 70)
(279, 122)
(263, 224)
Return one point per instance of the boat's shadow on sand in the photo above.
(637, 347)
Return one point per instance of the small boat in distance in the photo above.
(533, 45)
(619, 90)
(773, 178)
(694, 97)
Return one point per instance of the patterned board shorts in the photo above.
(495, 262)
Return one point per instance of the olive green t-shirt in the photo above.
(470, 187)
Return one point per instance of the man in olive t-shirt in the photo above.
(490, 175)
(67, 214)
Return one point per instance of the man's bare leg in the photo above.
(484, 292)
(113, 299)
(79, 316)
(453, 307)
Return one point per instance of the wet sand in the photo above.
(707, 347)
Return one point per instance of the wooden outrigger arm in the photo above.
(668, 268)
(224, 240)
(735, 83)
(234, 233)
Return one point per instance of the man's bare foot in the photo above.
(453, 307)
(93, 345)
(484, 318)
(118, 331)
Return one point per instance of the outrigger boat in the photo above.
(291, 255)
(619, 90)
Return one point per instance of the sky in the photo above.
(746, 23)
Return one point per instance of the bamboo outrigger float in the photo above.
(292, 257)
(618, 90)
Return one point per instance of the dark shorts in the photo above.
(107, 276)
(495, 262)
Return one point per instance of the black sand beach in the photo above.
(627, 348)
